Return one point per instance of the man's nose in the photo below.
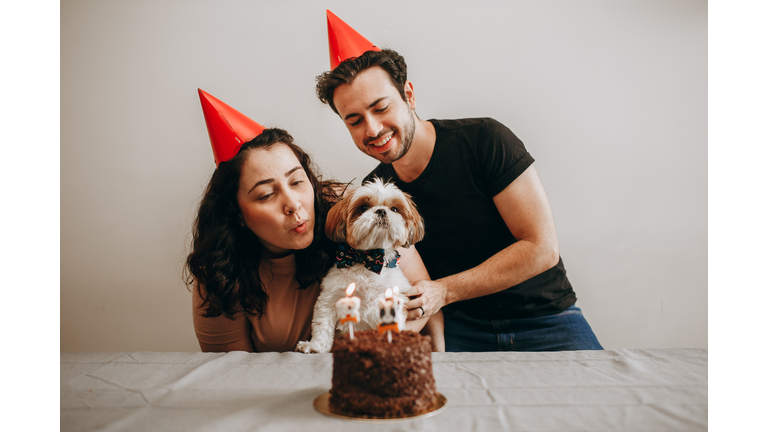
(374, 126)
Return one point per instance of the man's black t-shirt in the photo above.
(474, 160)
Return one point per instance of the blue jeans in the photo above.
(565, 331)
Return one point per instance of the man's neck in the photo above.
(413, 163)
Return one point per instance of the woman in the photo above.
(259, 250)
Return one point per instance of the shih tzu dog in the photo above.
(368, 224)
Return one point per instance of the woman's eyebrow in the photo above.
(292, 170)
(271, 180)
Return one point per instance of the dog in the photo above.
(369, 224)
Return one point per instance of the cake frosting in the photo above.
(374, 377)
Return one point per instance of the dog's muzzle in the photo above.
(381, 218)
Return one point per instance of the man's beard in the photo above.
(406, 140)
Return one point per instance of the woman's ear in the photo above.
(336, 221)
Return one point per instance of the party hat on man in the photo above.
(344, 42)
(228, 128)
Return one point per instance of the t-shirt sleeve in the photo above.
(502, 156)
(220, 334)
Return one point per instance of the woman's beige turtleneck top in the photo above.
(286, 319)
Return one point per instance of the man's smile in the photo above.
(383, 142)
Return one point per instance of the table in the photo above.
(612, 390)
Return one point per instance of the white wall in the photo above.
(609, 97)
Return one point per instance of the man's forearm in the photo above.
(509, 267)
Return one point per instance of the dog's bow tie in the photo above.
(373, 259)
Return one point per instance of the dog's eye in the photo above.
(394, 209)
(364, 209)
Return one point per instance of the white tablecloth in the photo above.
(612, 390)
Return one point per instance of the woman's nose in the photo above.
(292, 202)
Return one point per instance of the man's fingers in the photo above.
(414, 303)
(414, 314)
(415, 308)
(415, 291)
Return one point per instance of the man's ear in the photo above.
(409, 95)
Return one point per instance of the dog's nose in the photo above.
(381, 212)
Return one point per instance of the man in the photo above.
(490, 245)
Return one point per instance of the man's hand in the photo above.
(426, 298)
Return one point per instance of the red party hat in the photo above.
(344, 42)
(228, 128)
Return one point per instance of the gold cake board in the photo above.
(323, 407)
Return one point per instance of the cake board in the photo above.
(323, 407)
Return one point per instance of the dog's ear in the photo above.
(336, 221)
(414, 221)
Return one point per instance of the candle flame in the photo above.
(388, 293)
(350, 289)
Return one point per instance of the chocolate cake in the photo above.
(374, 377)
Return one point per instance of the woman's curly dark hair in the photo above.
(224, 263)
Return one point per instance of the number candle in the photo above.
(399, 305)
(387, 321)
(348, 309)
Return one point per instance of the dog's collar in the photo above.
(372, 259)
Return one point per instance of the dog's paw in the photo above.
(304, 347)
(309, 347)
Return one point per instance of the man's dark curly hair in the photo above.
(346, 72)
(223, 265)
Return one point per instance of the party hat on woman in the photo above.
(228, 128)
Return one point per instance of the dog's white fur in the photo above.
(375, 216)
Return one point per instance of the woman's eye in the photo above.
(394, 209)
(297, 182)
(265, 197)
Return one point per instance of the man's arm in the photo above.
(525, 208)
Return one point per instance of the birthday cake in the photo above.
(374, 377)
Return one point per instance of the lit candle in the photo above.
(387, 315)
(399, 308)
(348, 309)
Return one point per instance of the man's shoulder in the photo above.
(475, 122)
(473, 130)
